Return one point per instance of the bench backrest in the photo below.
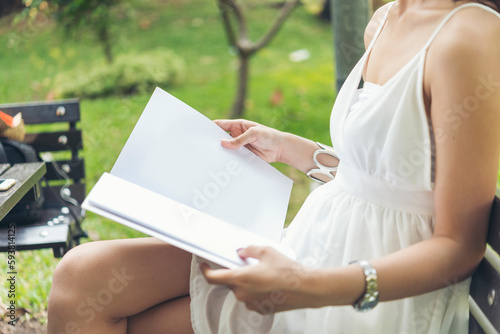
(484, 298)
(68, 139)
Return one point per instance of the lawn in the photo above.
(192, 29)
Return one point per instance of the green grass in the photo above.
(192, 29)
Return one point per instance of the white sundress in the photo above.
(380, 202)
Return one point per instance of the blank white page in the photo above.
(173, 222)
(176, 151)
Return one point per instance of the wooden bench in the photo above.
(59, 227)
(484, 299)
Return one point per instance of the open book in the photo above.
(173, 180)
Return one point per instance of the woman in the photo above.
(418, 147)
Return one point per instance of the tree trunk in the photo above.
(378, 3)
(105, 41)
(349, 21)
(241, 92)
(238, 38)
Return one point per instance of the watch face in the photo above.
(370, 299)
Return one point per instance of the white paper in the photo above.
(173, 180)
(175, 151)
(176, 223)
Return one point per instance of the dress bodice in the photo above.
(382, 133)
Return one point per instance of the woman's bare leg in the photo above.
(98, 285)
(172, 317)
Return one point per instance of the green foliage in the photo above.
(193, 30)
(72, 14)
(130, 73)
(77, 16)
(314, 6)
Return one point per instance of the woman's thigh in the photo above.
(172, 317)
(112, 280)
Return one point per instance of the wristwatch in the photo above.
(369, 299)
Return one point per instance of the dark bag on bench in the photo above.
(29, 207)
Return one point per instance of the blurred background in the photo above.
(111, 54)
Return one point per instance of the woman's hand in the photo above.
(275, 284)
(270, 144)
(266, 142)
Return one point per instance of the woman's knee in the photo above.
(80, 291)
(67, 290)
(72, 276)
(106, 275)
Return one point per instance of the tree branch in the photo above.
(224, 9)
(241, 41)
(240, 18)
(282, 15)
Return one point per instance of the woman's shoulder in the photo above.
(375, 22)
(472, 33)
(471, 26)
(464, 55)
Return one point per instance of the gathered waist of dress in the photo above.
(382, 192)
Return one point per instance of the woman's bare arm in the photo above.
(272, 145)
(462, 69)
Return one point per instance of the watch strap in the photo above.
(370, 297)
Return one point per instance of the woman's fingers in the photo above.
(256, 285)
(216, 276)
(239, 129)
(225, 124)
(261, 140)
(229, 276)
(231, 125)
(257, 252)
(248, 137)
(230, 144)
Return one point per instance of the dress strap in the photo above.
(448, 17)
(380, 28)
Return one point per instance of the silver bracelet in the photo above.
(370, 297)
(322, 169)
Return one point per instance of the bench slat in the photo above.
(485, 280)
(45, 111)
(492, 258)
(26, 176)
(76, 171)
(494, 228)
(35, 237)
(78, 192)
(58, 228)
(484, 298)
(480, 319)
(55, 141)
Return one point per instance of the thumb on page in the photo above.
(245, 138)
(256, 252)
